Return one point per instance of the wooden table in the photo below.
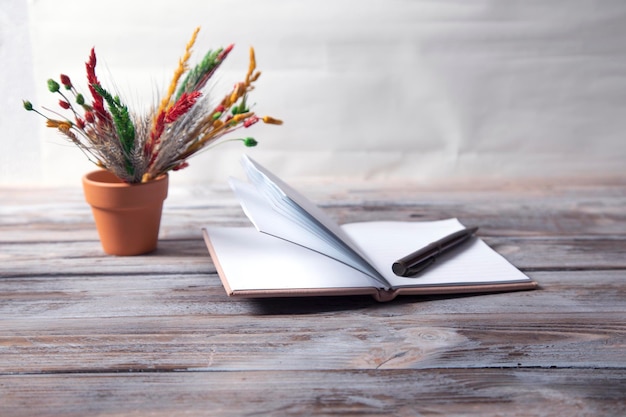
(84, 334)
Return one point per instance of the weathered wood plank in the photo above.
(185, 322)
(476, 392)
(298, 343)
(93, 296)
(191, 256)
(62, 215)
(184, 223)
(88, 258)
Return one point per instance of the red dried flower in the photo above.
(182, 106)
(65, 80)
(225, 52)
(155, 136)
(250, 121)
(64, 104)
(98, 101)
(89, 117)
(182, 165)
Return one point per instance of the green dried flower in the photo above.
(53, 86)
(123, 123)
(28, 105)
(250, 142)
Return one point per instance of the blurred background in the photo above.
(380, 90)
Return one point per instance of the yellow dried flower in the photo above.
(239, 117)
(252, 65)
(182, 67)
(271, 121)
(60, 124)
(239, 90)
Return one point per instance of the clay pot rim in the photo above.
(105, 178)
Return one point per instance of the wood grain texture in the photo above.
(82, 333)
(449, 392)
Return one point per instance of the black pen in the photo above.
(424, 257)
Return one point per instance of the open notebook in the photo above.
(295, 249)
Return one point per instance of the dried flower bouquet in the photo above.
(138, 148)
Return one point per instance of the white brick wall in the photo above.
(378, 89)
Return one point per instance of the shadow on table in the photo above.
(316, 305)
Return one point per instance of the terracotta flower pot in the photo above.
(127, 216)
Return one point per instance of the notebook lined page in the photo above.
(471, 263)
